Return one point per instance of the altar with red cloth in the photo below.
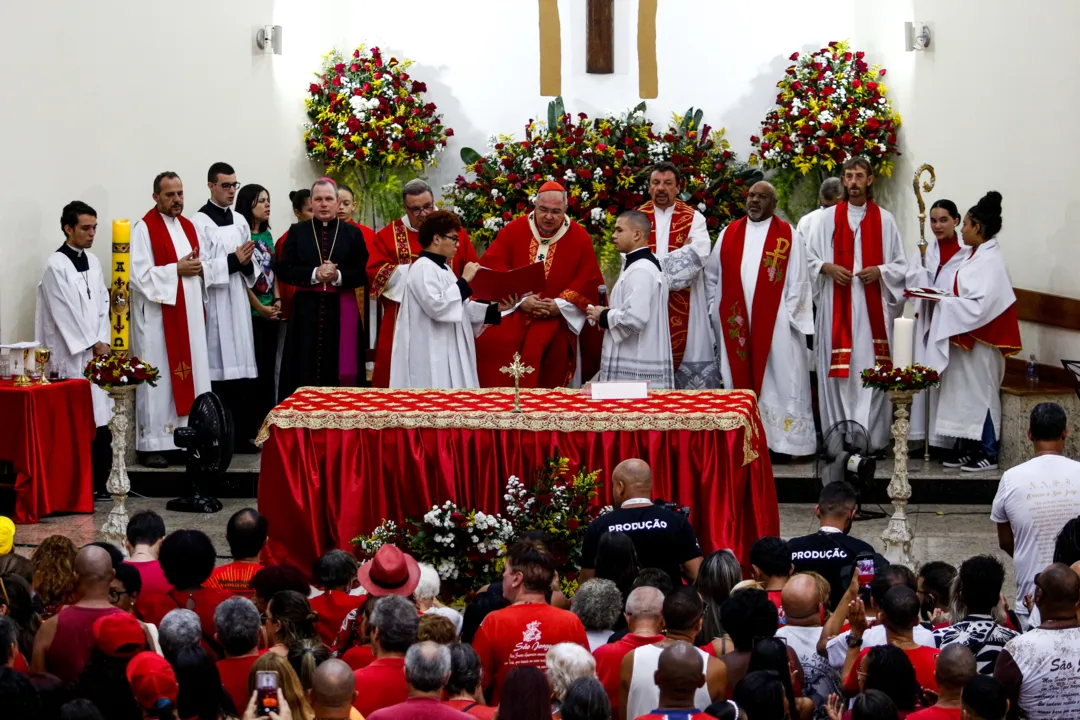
(47, 433)
(337, 461)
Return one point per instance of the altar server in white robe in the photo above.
(437, 324)
(637, 343)
(680, 240)
(168, 329)
(228, 273)
(970, 337)
(943, 256)
(72, 315)
(857, 256)
(830, 193)
(759, 294)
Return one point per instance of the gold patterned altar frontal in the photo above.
(544, 410)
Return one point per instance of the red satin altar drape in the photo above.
(47, 432)
(319, 488)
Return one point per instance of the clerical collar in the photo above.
(758, 223)
(76, 256)
(642, 253)
(222, 217)
(434, 257)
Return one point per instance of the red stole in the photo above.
(682, 217)
(174, 317)
(946, 252)
(844, 256)
(1003, 332)
(748, 357)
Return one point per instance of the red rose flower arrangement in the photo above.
(109, 371)
(369, 123)
(906, 379)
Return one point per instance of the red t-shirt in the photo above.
(358, 656)
(234, 677)
(381, 684)
(332, 607)
(936, 713)
(522, 635)
(609, 661)
(153, 578)
(20, 665)
(774, 597)
(203, 602)
(234, 578)
(924, 659)
(484, 712)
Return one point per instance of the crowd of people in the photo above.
(218, 304)
(808, 628)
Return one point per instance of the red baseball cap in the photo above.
(119, 635)
(390, 572)
(152, 680)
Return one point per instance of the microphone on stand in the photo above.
(602, 291)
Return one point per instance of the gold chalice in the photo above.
(24, 380)
(42, 355)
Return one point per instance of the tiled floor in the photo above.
(942, 532)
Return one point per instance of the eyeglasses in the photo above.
(229, 186)
(420, 210)
(115, 595)
(452, 238)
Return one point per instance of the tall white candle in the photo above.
(903, 341)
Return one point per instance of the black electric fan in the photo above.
(208, 443)
(845, 455)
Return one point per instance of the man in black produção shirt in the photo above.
(663, 539)
(831, 552)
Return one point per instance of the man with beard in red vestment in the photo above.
(389, 256)
(548, 329)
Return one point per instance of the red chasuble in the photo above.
(545, 344)
(682, 217)
(748, 350)
(1003, 332)
(397, 245)
(174, 317)
(844, 256)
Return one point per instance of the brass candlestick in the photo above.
(24, 380)
(42, 355)
(516, 370)
(927, 186)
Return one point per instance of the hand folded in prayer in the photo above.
(326, 273)
(540, 307)
(870, 275)
(593, 313)
(507, 303)
(189, 265)
(244, 252)
(101, 349)
(469, 271)
(839, 275)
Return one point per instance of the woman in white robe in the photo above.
(437, 324)
(943, 256)
(970, 337)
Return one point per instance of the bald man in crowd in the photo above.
(333, 688)
(804, 609)
(644, 613)
(679, 674)
(758, 288)
(663, 538)
(63, 644)
(955, 666)
(1039, 669)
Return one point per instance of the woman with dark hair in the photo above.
(1067, 545)
(463, 690)
(888, 669)
(335, 574)
(526, 695)
(935, 593)
(437, 324)
(971, 334)
(943, 256)
(772, 654)
(762, 696)
(16, 602)
(264, 297)
(719, 573)
(290, 632)
(346, 204)
(617, 561)
(301, 204)
(586, 699)
(201, 693)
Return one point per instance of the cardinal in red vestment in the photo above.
(549, 329)
(389, 256)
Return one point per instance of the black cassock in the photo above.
(312, 339)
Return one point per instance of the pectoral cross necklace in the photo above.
(318, 245)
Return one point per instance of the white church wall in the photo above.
(991, 106)
(120, 89)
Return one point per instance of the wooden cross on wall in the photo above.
(600, 37)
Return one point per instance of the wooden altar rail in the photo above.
(1043, 309)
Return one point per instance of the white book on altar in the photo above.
(619, 390)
